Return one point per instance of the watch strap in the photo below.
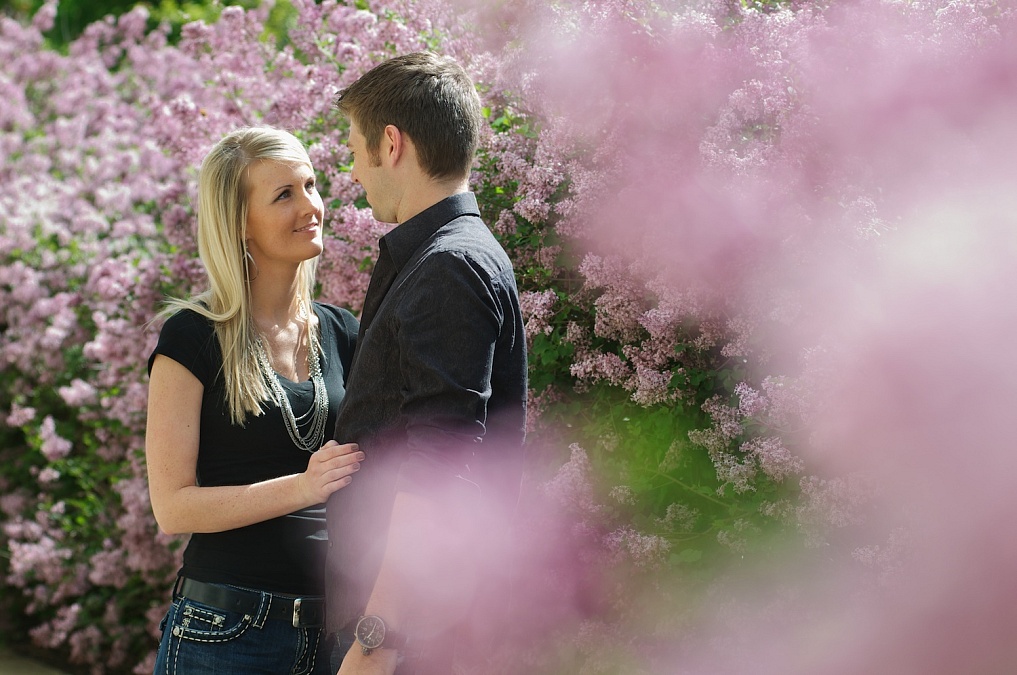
(391, 640)
(394, 640)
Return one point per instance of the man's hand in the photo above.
(378, 662)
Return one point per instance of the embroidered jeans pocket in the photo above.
(195, 621)
(202, 640)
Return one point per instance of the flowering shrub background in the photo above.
(763, 250)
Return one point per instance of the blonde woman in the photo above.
(245, 382)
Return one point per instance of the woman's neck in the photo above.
(276, 303)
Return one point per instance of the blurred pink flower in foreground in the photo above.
(841, 181)
(917, 316)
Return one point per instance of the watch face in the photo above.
(370, 632)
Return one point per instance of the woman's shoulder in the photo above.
(186, 320)
(188, 337)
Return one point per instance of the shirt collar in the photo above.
(403, 241)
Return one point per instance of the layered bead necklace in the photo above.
(317, 413)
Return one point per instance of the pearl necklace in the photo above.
(318, 412)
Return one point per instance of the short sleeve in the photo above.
(189, 339)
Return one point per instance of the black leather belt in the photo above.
(298, 611)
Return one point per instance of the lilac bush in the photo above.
(100, 147)
(723, 216)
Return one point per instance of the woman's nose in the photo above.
(312, 202)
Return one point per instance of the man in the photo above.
(436, 396)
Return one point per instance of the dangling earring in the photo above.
(247, 263)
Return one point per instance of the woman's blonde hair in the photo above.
(222, 234)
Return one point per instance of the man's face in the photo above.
(372, 175)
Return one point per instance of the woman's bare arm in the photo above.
(171, 449)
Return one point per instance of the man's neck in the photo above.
(426, 194)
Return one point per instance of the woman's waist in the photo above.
(276, 562)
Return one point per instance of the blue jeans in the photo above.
(199, 639)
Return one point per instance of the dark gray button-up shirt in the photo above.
(436, 396)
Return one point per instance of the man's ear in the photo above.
(393, 144)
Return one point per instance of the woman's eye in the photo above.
(310, 185)
(283, 195)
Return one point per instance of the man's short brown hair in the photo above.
(428, 97)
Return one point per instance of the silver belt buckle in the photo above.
(296, 613)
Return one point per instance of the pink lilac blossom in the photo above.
(733, 470)
(735, 538)
(78, 394)
(651, 387)
(12, 503)
(891, 559)
(776, 460)
(620, 303)
(651, 354)
(20, 416)
(40, 559)
(643, 550)
(55, 633)
(571, 486)
(107, 567)
(841, 502)
(52, 446)
(537, 308)
(622, 494)
(751, 403)
(726, 419)
(679, 517)
(537, 403)
(590, 367)
(48, 475)
(83, 644)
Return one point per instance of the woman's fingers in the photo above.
(333, 449)
(331, 468)
(331, 457)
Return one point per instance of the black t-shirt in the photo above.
(282, 555)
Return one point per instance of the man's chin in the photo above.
(383, 217)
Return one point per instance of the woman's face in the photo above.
(285, 214)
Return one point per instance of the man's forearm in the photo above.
(412, 516)
(426, 580)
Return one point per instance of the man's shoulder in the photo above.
(466, 235)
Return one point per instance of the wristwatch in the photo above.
(372, 634)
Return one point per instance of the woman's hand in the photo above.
(330, 469)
